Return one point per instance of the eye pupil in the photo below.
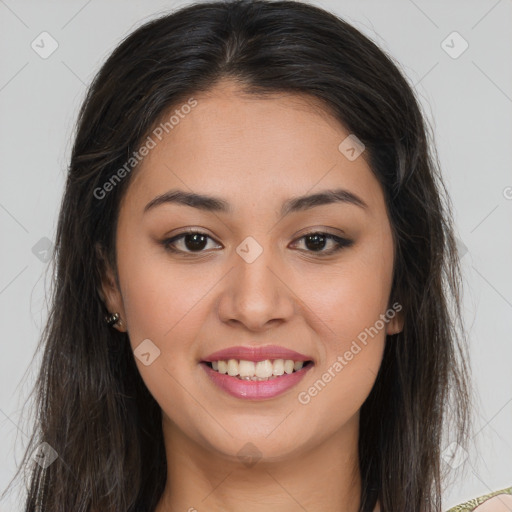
(196, 244)
(318, 241)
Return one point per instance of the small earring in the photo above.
(113, 319)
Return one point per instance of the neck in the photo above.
(324, 477)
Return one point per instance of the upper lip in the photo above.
(256, 354)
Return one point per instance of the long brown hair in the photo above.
(92, 406)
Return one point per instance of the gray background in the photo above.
(467, 99)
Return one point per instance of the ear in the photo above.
(108, 290)
(396, 324)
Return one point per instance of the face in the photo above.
(314, 278)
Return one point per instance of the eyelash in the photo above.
(341, 243)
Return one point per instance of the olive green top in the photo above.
(475, 502)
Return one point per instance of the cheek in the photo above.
(163, 305)
(340, 389)
(351, 296)
(166, 305)
(160, 299)
(351, 301)
(354, 337)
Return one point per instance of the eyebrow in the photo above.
(295, 204)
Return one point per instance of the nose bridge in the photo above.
(255, 294)
(254, 277)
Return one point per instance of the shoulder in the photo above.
(497, 501)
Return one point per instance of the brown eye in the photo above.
(191, 242)
(317, 241)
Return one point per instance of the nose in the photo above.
(256, 294)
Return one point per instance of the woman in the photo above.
(255, 274)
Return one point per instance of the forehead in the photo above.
(251, 148)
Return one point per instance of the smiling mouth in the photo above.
(268, 369)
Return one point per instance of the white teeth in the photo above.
(288, 366)
(233, 367)
(246, 369)
(261, 370)
(278, 368)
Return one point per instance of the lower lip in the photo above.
(256, 390)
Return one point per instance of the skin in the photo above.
(255, 153)
(499, 503)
